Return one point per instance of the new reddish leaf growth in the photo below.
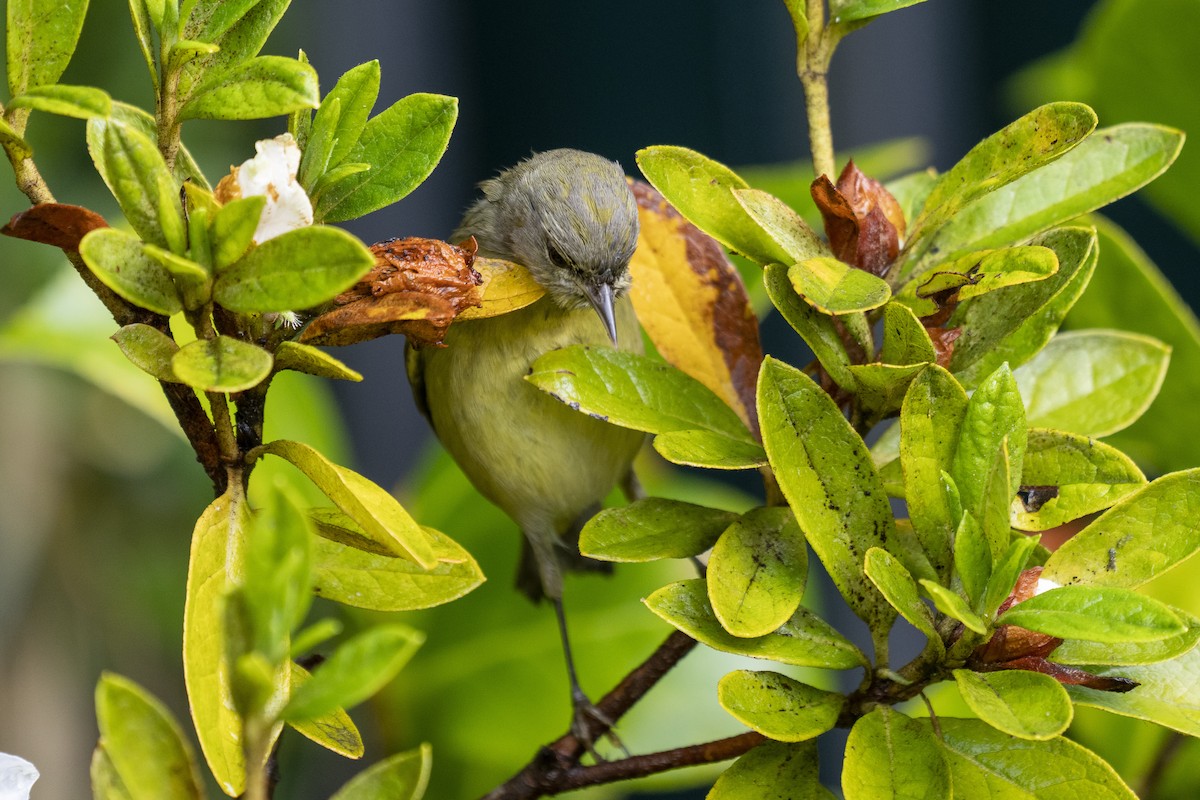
(863, 221)
(1013, 647)
(417, 288)
(56, 224)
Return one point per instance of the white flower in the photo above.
(1044, 585)
(16, 777)
(272, 173)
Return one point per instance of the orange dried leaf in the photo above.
(506, 287)
(417, 287)
(693, 304)
(55, 224)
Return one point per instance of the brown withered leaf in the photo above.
(863, 222)
(417, 287)
(693, 304)
(56, 224)
(943, 343)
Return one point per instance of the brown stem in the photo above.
(555, 781)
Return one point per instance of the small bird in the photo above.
(570, 218)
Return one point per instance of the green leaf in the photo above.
(1097, 614)
(881, 387)
(334, 731)
(651, 529)
(208, 20)
(1092, 382)
(42, 35)
(149, 349)
(1087, 476)
(827, 476)
(1007, 570)
(356, 92)
(1167, 694)
(805, 640)
(987, 763)
(818, 330)
(953, 606)
(143, 742)
(1106, 166)
(186, 169)
(306, 358)
(1013, 323)
(833, 287)
(223, 364)
(702, 191)
(777, 706)
(890, 756)
(278, 573)
(1144, 535)
(372, 508)
(1085, 653)
(116, 258)
(354, 577)
(141, 30)
(757, 572)
(994, 415)
(138, 178)
(972, 558)
(1031, 142)
(842, 11)
(298, 269)
(185, 50)
(106, 783)
(233, 228)
(773, 771)
(403, 776)
(240, 42)
(699, 448)
(634, 391)
(266, 86)
(798, 11)
(213, 569)
(1128, 292)
(81, 102)
(320, 144)
(10, 137)
(357, 669)
(783, 225)
(897, 585)
(403, 145)
(930, 425)
(977, 274)
(905, 340)
(1021, 703)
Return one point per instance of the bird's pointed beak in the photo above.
(601, 298)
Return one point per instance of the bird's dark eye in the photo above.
(556, 257)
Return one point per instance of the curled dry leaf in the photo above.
(417, 288)
(864, 223)
(1013, 647)
(693, 304)
(56, 224)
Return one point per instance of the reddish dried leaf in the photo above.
(1010, 642)
(417, 287)
(55, 224)
(693, 304)
(943, 343)
(863, 222)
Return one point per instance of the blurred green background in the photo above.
(98, 493)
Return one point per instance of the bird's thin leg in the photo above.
(582, 707)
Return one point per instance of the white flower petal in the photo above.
(272, 173)
(16, 777)
(1045, 585)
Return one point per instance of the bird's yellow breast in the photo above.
(540, 461)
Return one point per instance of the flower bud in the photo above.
(271, 174)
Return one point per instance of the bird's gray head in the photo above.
(567, 216)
